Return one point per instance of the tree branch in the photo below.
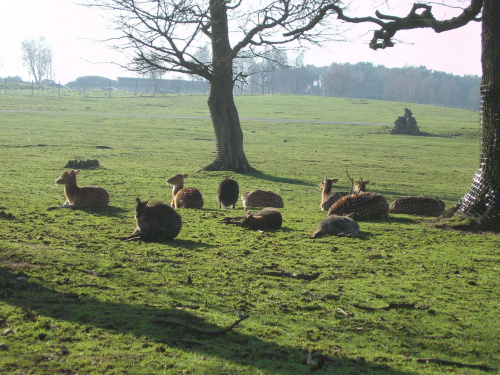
(390, 25)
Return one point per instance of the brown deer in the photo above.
(261, 198)
(155, 222)
(266, 219)
(360, 205)
(184, 197)
(337, 226)
(361, 186)
(228, 193)
(80, 197)
(327, 198)
(421, 206)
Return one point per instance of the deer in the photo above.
(360, 205)
(327, 198)
(80, 197)
(261, 198)
(336, 225)
(421, 206)
(228, 193)
(266, 219)
(157, 221)
(184, 197)
(360, 186)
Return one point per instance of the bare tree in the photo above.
(37, 58)
(167, 34)
(482, 200)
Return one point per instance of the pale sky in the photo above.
(72, 31)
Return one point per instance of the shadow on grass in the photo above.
(111, 211)
(151, 322)
(283, 180)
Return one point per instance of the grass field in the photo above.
(74, 298)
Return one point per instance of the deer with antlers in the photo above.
(359, 204)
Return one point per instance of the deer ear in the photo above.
(77, 172)
(185, 175)
(367, 181)
(138, 200)
(335, 180)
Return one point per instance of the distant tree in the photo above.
(337, 80)
(482, 200)
(37, 58)
(91, 82)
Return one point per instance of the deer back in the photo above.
(228, 193)
(266, 219)
(335, 225)
(364, 206)
(261, 198)
(188, 198)
(421, 206)
(156, 221)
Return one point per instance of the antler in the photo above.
(351, 192)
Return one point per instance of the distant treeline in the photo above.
(364, 80)
(361, 80)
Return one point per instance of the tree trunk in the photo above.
(225, 118)
(482, 201)
(228, 135)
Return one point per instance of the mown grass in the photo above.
(79, 300)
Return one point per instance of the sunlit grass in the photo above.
(90, 303)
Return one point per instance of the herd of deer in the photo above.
(160, 221)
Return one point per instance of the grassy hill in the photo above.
(74, 298)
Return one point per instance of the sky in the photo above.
(76, 33)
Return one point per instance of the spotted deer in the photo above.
(228, 193)
(359, 204)
(337, 226)
(184, 197)
(266, 219)
(421, 206)
(80, 197)
(364, 206)
(261, 198)
(328, 198)
(155, 222)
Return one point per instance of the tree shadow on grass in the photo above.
(282, 180)
(111, 211)
(156, 325)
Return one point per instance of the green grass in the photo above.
(89, 303)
